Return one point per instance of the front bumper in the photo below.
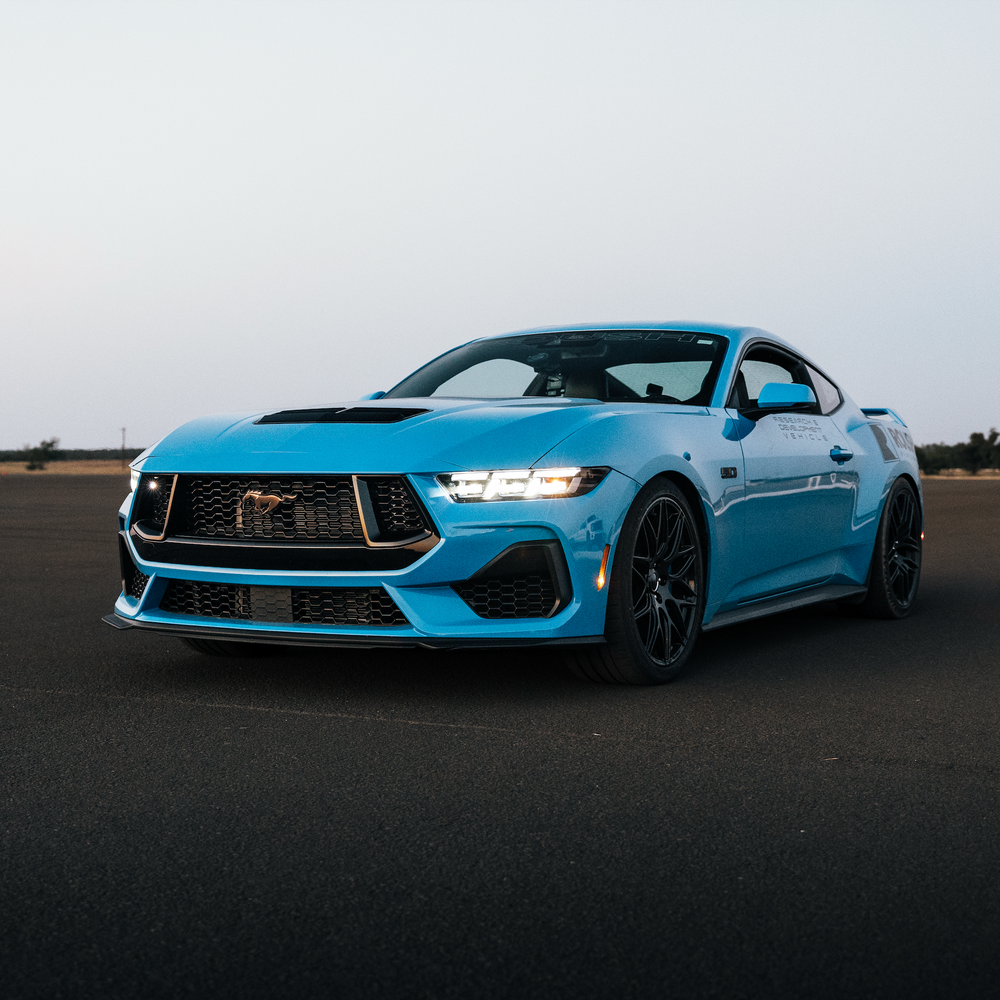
(471, 536)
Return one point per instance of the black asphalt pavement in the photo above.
(810, 810)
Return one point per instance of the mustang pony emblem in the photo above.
(264, 502)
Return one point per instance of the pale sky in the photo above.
(215, 206)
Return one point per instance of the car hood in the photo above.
(453, 434)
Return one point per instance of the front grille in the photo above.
(529, 596)
(303, 606)
(259, 508)
(396, 509)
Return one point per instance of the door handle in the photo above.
(840, 456)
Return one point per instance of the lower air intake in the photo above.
(370, 606)
(528, 580)
(133, 579)
(346, 606)
(209, 600)
(510, 596)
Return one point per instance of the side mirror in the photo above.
(374, 395)
(785, 396)
(780, 397)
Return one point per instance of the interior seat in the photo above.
(587, 384)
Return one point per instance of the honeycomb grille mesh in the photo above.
(209, 600)
(531, 595)
(346, 606)
(308, 606)
(399, 516)
(307, 509)
(135, 584)
(153, 499)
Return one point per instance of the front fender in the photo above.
(695, 444)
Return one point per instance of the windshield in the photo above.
(654, 366)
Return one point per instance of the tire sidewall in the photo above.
(621, 633)
(883, 594)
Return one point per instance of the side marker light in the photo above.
(921, 536)
(604, 567)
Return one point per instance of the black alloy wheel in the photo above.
(903, 558)
(895, 568)
(656, 596)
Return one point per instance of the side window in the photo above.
(826, 392)
(757, 374)
(760, 366)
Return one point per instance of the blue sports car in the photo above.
(613, 490)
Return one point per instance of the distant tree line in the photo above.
(48, 451)
(981, 451)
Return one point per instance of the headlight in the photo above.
(521, 484)
(134, 478)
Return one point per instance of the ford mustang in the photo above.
(612, 490)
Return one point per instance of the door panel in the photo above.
(799, 503)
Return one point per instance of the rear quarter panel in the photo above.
(883, 451)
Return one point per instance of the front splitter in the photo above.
(276, 638)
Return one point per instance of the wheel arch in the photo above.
(916, 490)
(693, 497)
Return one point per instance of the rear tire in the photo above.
(895, 569)
(656, 594)
(226, 647)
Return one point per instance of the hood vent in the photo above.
(343, 415)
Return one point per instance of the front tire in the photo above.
(656, 594)
(895, 569)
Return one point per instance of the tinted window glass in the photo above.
(826, 392)
(629, 365)
(497, 377)
(758, 373)
(760, 366)
(679, 379)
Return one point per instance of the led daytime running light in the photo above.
(520, 484)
